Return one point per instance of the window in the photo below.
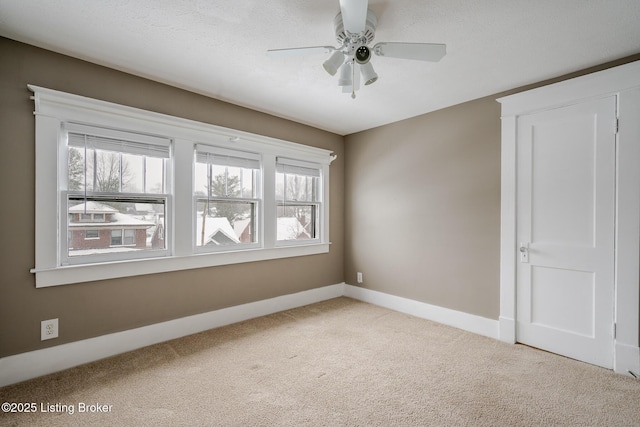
(227, 197)
(129, 237)
(116, 179)
(298, 200)
(116, 237)
(136, 192)
(126, 237)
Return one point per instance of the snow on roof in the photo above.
(212, 226)
(92, 207)
(289, 228)
(240, 225)
(117, 220)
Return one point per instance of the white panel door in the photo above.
(565, 230)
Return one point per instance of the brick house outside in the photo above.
(93, 225)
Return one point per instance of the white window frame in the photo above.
(258, 200)
(165, 198)
(54, 108)
(317, 204)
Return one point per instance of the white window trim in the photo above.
(54, 108)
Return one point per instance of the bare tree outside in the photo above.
(298, 188)
(76, 169)
(112, 172)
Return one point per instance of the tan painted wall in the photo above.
(423, 208)
(97, 308)
(422, 205)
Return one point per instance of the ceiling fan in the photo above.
(355, 27)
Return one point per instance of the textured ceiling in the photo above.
(217, 48)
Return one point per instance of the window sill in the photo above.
(111, 270)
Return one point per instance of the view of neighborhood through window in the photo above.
(116, 201)
(297, 194)
(227, 194)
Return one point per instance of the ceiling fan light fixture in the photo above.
(345, 75)
(334, 62)
(363, 54)
(355, 28)
(369, 75)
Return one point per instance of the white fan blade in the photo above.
(299, 51)
(420, 51)
(354, 15)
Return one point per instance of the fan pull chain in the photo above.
(353, 80)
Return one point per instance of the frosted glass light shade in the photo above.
(346, 75)
(368, 73)
(334, 62)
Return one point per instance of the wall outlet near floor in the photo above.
(48, 329)
(359, 277)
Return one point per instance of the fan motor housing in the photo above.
(345, 38)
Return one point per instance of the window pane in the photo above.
(223, 223)
(294, 187)
(132, 173)
(297, 222)
(118, 226)
(249, 177)
(200, 184)
(240, 182)
(109, 171)
(116, 237)
(129, 237)
(90, 175)
(232, 180)
(75, 168)
(279, 186)
(218, 181)
(155, 168)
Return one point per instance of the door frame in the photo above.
(624, 82)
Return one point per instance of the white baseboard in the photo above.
(627, 359)
(24, 366)
(458, 319)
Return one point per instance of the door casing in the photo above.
(624, 82)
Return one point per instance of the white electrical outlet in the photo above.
(48, 329)
(359, 277)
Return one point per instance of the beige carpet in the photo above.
(339, 362)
